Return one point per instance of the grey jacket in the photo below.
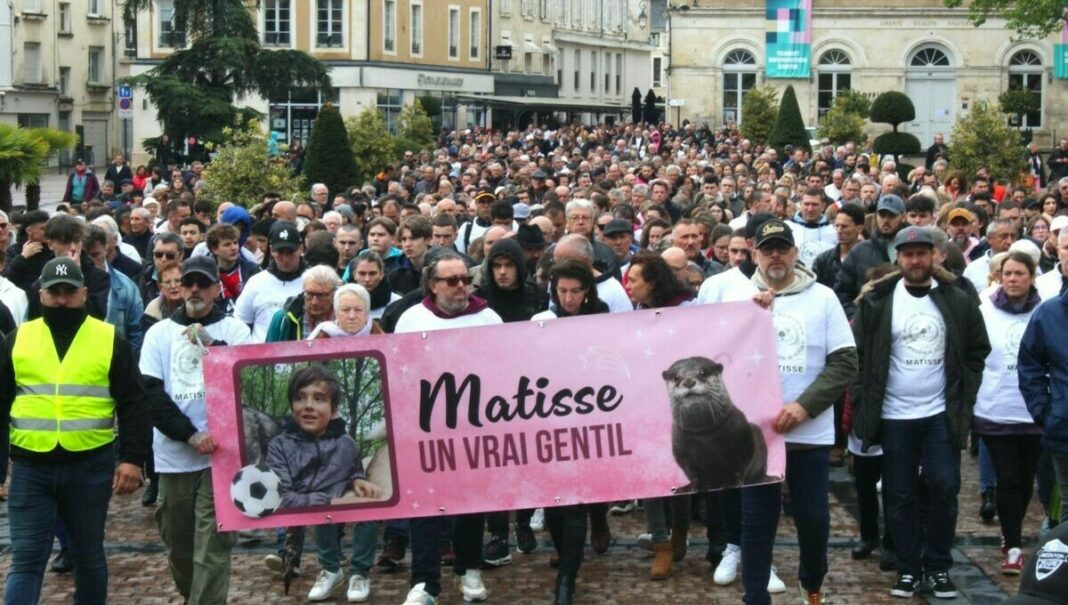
(312, 471)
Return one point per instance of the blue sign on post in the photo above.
(125, 96)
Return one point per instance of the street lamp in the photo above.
(643, 19)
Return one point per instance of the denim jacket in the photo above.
(125, 308)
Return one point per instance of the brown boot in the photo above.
(662, 563)
(678, 545)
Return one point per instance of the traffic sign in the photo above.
(125, 95)
(124, 92)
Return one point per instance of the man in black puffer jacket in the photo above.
(871, 253)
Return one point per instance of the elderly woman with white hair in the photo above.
(352, 315)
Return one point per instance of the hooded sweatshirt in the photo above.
(519, 303)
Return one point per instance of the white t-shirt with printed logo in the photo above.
(813, 241)
(916, 382)
(999, 398)
(809, 326)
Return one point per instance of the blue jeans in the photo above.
(76, 492)
(922, 541)
(988, 475)
(328, 545)
(760, 508)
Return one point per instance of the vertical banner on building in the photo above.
(788, 38)
(1060, 54)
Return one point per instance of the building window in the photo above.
(543, 10)
(476, 35)
(619, 73)
(169, 37)
(389, 105)
(1026, 73)
(276, 19)
(31, 6)
(64, 81)
(929, 57)
(389, 26)
(454, 33)
(658, 68)
(64, 17)
(95, 8)
(96, 65)
(527, 8)
(834, 78)
(607, 73)
(576, 14)
(506, 7)
(561, 12)
(739, 76)
(578, 68)
(593, 71)
(129, 36)
(417, 28)
(31, 63)
(33, 120)
(328, 23)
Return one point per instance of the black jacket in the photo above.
(126, 388)
(854, 272)
(140, 242)
(127, 266)
(24, 271)
(826, 266)
(519, 304)
(967, 346)
(98, 282)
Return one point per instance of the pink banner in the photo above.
(590, 409)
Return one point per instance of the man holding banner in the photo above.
(447, 303)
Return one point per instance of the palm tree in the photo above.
(24, 155)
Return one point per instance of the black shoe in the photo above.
(941, 585)
(905, 587)
(715, 553)
(989, 509)
(525, 541)
(565, 590)
(151, 493)
(496, 553)
(863, 549)
(61, 563)
(887, 560)
(392, 553)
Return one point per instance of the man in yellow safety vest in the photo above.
(65, 379)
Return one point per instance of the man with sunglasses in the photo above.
(171, 363)
(165, 247)
(447, 303)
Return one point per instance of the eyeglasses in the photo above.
(4, 225)
(455, 280)
(200, 281)
(171, 283)
(317, 295)
(166, 255)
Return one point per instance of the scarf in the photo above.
(1001, 301)
(474, 305)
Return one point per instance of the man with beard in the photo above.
(922, 346)
(447, 303)
(871, 253)
(171, 362)
(267, 291)
(959, 225)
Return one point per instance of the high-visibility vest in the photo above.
(66, 403)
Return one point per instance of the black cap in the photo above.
(284, 236)
(62, 270)
(125, 182)
(204, 265)
(754, 223)
(774, 229)
(618, 225)
(1045, 578)
(913, 235)
(530, 237)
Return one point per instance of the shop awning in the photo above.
(542, 104)
(530, 47)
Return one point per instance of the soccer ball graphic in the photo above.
(255, 491)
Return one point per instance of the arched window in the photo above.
(929, 56)
(834, 76)
(739, 76)
(1025, 73)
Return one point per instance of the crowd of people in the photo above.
(914, 305)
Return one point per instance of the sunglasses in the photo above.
(200, 281)
(455, 280)
(778, 246)
(166, 255)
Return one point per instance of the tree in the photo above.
(759, 109)
(652, 113)
(894, 108)
(1018, 103)
(372, 145)
(329, 157)
(789, 128)
(636, 106)
(1030, 18)
(242, 170)
(24, 155)
(983, 137)
(414, 124)
(854, 101)
(194, 88)
(843, 122)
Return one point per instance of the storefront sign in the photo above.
(788, 38)
(405, 79)
(586, 409)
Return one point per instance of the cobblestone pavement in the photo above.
(139, 572)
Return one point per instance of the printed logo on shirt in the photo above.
(810, 249)
(187, 371)
(1013, 335)
(790, 341)
(1050, 558)
(924, 335)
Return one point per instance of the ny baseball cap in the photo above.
(204, 265)
(284, 236)
(1045, 578)
(913, 235)
(774, 229)
(62, 270)
(891, 203)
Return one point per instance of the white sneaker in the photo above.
(645, 542)
(537, 520)
(274, 563)
(727, 570)
(325, 584)
(359, 589)
(419, 596)
(775, 585)
(471, 586)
